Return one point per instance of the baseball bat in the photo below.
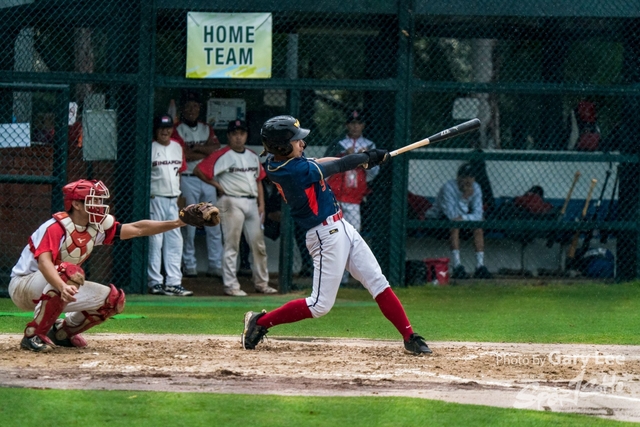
(576, 236)
(604, 235)
(576, 177)
(465, 127)
(594, 217)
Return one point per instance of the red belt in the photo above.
(334, 218)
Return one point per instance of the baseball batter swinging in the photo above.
(49, 280)
(333, 243)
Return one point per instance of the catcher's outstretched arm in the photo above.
(147, 227)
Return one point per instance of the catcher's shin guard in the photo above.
(51, 305)
(69, 336)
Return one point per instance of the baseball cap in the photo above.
(191, 96)
(163, 121)
(355, 116)
(237, 124)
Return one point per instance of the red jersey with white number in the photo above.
(51, 237)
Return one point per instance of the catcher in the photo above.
(48, 277)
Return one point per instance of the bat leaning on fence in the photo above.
(552, 236)
(594, 217)
(576, 236)
(440, 136)
(604, 234)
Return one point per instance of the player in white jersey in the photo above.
(167, 161)
(41, 280)
(198, 140)
(236, 172)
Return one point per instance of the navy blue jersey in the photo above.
(301, 184)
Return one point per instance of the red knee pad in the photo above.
(114, 303)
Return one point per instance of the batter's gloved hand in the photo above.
(200, 214)
(376, 157)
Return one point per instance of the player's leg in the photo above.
(213, 234)
(94, 304)
(32, 292)
(154, 275)
(365, 268)
(481, 270)
(255, 237)
(172, 247)
(454, 243)
(190, 188)
(329, 248)
(231, 219)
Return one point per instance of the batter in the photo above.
(333, 243)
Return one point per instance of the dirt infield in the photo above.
(590, 379)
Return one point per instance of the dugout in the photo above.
(521, 67)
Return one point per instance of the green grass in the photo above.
(133, 408)
(586, 313)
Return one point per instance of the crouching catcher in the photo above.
(49, 280)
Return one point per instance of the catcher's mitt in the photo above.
(200, 214)
(71, 274)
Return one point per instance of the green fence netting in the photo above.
(555, 87)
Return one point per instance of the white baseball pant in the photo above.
(334, 247)
(165, 246)
(23, 290)
(194, 190)
(240, 215)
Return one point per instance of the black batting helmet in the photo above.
(278, 132)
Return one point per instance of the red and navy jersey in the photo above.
(300, 182)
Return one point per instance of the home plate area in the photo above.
(598, 380)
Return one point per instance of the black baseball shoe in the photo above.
(156, 289)
(482, 273)
(34, 343)
(459, 273)
(416, 345)
(253, 333)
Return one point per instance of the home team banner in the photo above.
(228, 45)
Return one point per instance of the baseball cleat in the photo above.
(156, 289)
(177, 291)
(35, 343)
(253, 333)
(267, 290)
(482, 273)
(77, 340)
(235, 292)
(416, 345)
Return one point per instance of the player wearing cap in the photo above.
(236, 172)
(351, 187)
(49, 280)
(332, 242)
(165, 249)
(198, 140)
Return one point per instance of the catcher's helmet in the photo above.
(93, 193)
(278, 132)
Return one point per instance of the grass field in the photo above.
(586, 313)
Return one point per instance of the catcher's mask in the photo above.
(93, 193)
(278, 132)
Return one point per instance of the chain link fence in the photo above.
(555, 88)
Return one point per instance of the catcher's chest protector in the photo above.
(77, 245)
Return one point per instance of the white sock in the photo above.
(480, 258)
(455, 254)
